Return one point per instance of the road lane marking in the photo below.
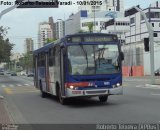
(21, 92)
(155, 94)
(8, 90)
(26, 84)
(3, 86)
(149, 87)
(11, 85)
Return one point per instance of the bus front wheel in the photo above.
(103, 98)
(61, 99)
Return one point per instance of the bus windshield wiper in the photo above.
(85, 53)
(100, 54)
(94, 57)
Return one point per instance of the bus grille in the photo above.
(96, 92)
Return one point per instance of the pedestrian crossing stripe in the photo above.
(9, 90)
(15, 85)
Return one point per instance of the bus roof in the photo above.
(49, 45)
(92, 34)
(44, 48)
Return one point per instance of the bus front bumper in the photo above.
(94, 92)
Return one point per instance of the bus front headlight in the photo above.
(71, 87)
(118, 84)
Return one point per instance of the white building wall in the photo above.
(139, 31)
(107, 5)
(60, 29)
(72, 24)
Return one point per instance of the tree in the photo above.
(90, 26)
(5, 46)
(81, 31)
(49, 40)
(26, 62)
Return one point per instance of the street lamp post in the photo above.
(5, 11)
(150, 31)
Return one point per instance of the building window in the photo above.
(142, 18)
(132, 20)
(155, 35)
(152, 24)
(155, 14)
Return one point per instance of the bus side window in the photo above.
(57, 55)
(52, 57)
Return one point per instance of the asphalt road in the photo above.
(140, 103)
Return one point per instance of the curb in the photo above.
(5, 117)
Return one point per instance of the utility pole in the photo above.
(5, 11)
(150, 31)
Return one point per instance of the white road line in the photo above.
(11, 85)
(149, 87)
(155, 94)
(19, 85)
(3, 86)
(26, 84)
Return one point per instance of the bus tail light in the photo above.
(79, 84)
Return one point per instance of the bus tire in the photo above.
(103, 98)
(43, 94)
(61, 99)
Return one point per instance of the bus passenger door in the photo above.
(35, 71)
(47, 72)
(62, 71)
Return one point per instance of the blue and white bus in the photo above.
(80, 65)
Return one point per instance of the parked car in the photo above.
(157, 72)
(13, 74)
(30, 75)
(23, 73)
(1, 73)
(8, 72)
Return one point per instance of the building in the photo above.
(73, 23)
(15, 57)
(137, 60)
(28, 44)
(118, 26)
(106, 5)
(52, 25)
(60, 29)
(46, 31)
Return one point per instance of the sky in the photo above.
(23, 23)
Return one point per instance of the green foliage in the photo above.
(26, 62)
(81, 31)
(90, 26)
(49, 40)
(5, 46)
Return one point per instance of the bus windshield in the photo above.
(93, 59)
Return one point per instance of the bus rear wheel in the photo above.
(61, 99)
(43, 94)
(103, 98)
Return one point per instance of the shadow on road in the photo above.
(81, 102)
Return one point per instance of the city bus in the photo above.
(80, 65)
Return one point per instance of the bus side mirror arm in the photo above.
(122, 55)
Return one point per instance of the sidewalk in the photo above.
(146, 78)
(4, 115)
